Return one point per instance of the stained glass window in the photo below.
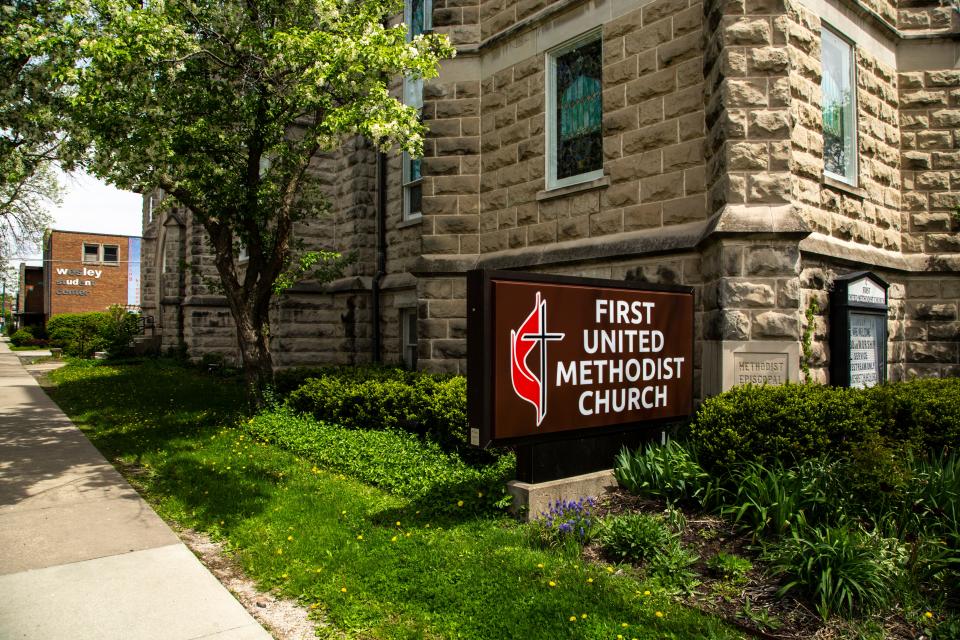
(839, 108)
(577, 101)
(418, 16)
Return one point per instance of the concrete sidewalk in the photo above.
(81, 554)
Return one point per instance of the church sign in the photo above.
(550, 355)
(858, 330)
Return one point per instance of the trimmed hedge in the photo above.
(801, 421)
(22, 337)
(289, 380)
(81, 334)
(393, 460)
(385, 398)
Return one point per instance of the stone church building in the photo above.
(752, 149)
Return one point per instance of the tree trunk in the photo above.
(254, 346)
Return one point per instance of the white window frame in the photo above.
(551, 119)
(103, 254)
(408, 184)
(242, 254)
(409, 350)
(852, 180)
(83, 253)
(149, 209)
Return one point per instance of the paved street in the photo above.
(81, 554)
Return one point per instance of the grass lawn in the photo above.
(367, 560)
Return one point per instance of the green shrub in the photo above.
(841, 569)
(798, 422)
(381, 398)
(394, 460)
(636, 537)
(287, 381)
(22, 337)
(81, 334)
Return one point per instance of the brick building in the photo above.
(752, 149)
(89, 272)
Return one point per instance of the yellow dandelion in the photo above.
(619, 636)
(624, 625)
(393, 539)
(408, 534)
(398, 523)
(584, 616)
(459, 503)
(279, 552)
(552, 583)
(221, 522)
(343, 513)
(285, 576)
(928, 614)
(290, 538)
(343, 589)
(314, 605)
(609, 569)
(479, 494)
(646, 593)
(539, 565)
(659, 614)
(573, 618)
(360, 537)
(589, 580)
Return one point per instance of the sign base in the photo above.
(546, 461)
(531, 501)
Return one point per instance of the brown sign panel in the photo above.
(549, 355)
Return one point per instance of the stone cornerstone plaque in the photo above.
(760, 368)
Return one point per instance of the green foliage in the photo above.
(394, 460)
(806, 340)
(384, 398)
(841, 569)
(468, 576)
(22, 338)
(729, 566)
(796, 422)
(774, 501)
(638, 537)
(81, 334)
(668, 472)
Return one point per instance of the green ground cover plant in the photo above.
(371, 562)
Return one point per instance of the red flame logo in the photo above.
(532, 334)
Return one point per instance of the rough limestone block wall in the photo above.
(317, 327)
(653, 119)
(932, 327)
(498, 15)
(442, 325)
(748, 104)
(451, 167)
(931, 160)
(458, 19)
(920, 16)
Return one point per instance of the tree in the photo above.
(33, 105)
(222, 103)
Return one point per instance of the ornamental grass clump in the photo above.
(566, 522)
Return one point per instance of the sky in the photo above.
(89, 204)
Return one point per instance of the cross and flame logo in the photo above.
(532, 334)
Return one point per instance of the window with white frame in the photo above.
(408, 337)
(418, 16)
(839, 88)
(111, 254)
(242, 254)
(575, 111)
(91, 252)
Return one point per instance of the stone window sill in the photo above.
(559, 192)
(856, 192)
(410, 222)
